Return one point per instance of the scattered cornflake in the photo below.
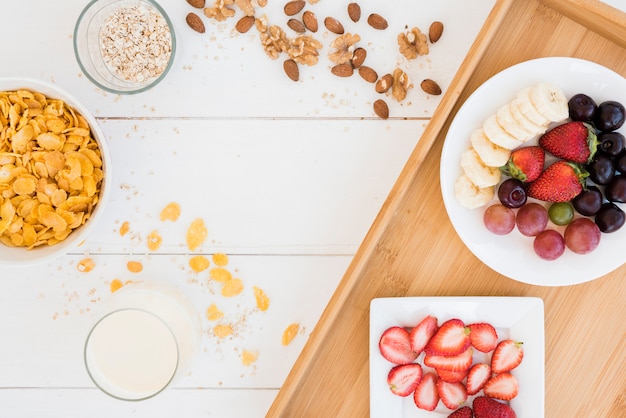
(213, 313)
(171, 212)
(85, 265)
(220, 274)
(232, 288)
(222, 331)
(199, 263)
(249, 357)
(154, 240)
(116, 284)
(124, 228)
(134, 266)
(196, 234)
(290, 333)
(220, 259)
(262, 301)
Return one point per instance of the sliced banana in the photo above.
(528, 124)
(490, 153)
(471, 196)
(528, 108)
(505, 119)
(550, 101)
(498, 135)
(478, 173)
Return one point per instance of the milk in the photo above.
(145, 338)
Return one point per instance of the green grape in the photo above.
(561, 213)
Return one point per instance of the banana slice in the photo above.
(478, 173)
(528, 108)
(528, 124)
(498, 135)
(471, 196)
(505, 119)
(550, 101)
(490, 153)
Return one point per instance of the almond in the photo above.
(384, 84)
(358, 57)
(430, 87)
(368, 74)
(381, 109)
(310, 21)
(291, 69)
(342, 70)
(195, 23)
(333, 25)
(294, 7)
(377, 21)
(244, 24)
(435, 31)
(354, 11)
(198, 4)
(296, 25)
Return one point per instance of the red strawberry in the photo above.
(560, 182)
(463, 412)
(483, 336)
(453, 395)
(573, 141)
(395, 346)
(456, 363)
(485, 407)
(450, 376)
(525, 164)
(507, 356)
(403, 379)
(503, 386)
(422, 333)
(478, 375)
(426, 396)
(451, 339)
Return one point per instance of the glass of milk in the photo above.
(145, 339)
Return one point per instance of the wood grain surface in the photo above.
(413, 250)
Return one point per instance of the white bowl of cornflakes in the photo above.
(54, 171)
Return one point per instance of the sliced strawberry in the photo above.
(483, 336)
(507, 356)
(478, 375)
(451, 338)
(485, 407)
(450, 376)
(422, 333)
(463, 412)
(395, 346)
(503, 386)
(403, 379)
(453, 395)
(456, 363)
(426, 396)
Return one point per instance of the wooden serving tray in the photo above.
(413, 250)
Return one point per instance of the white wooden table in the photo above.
(287, 176)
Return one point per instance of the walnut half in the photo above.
(413, 43)
(344, 47)
(400, 85)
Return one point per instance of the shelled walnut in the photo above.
(220, 10)
(304, 50)
(344, 47)
(400, 85)
(248, 6)
(413, 43)
(273, 38)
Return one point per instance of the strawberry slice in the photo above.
(478, 375)
(507, 356)
(451, 339)
(485, 407)
(450, 376)
(483, 336)
(463, 412)
(426, 396)
(456, 363)
(453, 395)
(403, 379)
(503, 386)
(395, 346)
(422, 333)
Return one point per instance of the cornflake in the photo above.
(220, 274)
(196, 234)
(116, 284)
(232, 288)
(134, 266)
(213, 313)
(124, 229)
(290, 333)
(220, 259)
(199, 263)
(249, 357)
(222, 331)
(85, 265)
(171, 212)
(262, 301)
(154, 240)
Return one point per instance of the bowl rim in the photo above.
(77, 237)
(91, 78)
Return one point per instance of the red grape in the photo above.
(582, 236)
(532, 218)
(549, 244)
(499, 219)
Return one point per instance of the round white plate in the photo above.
(512, 255)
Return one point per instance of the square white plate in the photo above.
(518, 318)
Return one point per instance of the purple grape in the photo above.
(611, 143)
(511, 193)
(582, 108)
(610, 116)
(610, 217)
(499, 219)
(582, 236)
(531, 219)
(615, 191)
(549, 244)
(588, 202)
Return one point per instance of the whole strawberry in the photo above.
(559, 182)
(525, 164)
(485, 407)
(573, 141)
